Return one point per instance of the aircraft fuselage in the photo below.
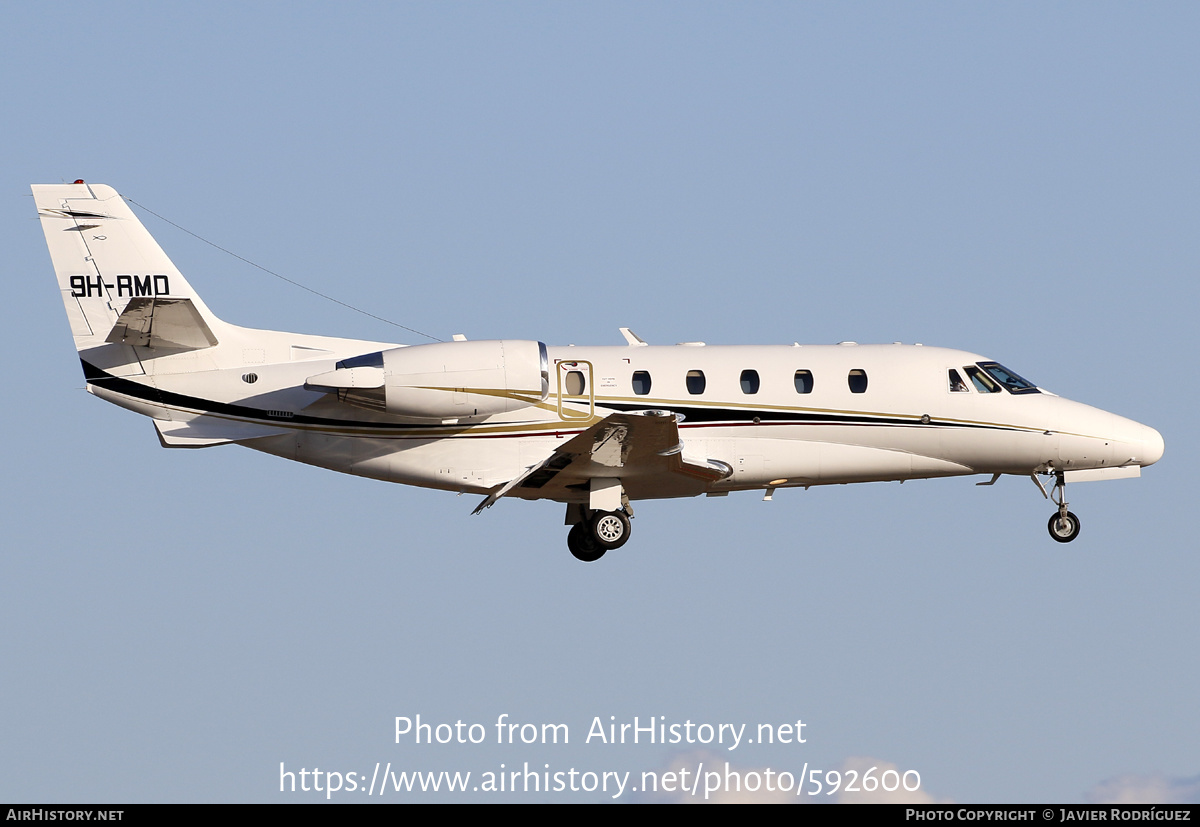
(593, 427)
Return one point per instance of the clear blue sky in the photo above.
(1020, 180)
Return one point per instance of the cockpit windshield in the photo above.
(1011, 381)
(982, 382)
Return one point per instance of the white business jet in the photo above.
(592, 427)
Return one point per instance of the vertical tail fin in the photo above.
(117, 284)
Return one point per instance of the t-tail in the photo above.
(117, 284)
(148, 342)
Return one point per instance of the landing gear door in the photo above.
(576, 394)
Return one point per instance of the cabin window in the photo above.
(749, 381)
(641, 382)
(804, 381)
(695, 381)
(982, 382)
(576, 384)
(957, 385)
(857, 379)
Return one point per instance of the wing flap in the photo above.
(641, 449)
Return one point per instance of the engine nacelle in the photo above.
(449, 380)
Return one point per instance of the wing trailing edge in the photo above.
(624, 446)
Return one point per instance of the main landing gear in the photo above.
(1063, 525)
(598, 532)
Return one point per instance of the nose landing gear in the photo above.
(1063, 525)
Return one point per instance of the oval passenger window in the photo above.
(857, 381)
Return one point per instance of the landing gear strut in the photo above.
(1063, 525)
(598, 532)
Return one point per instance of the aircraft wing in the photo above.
(642, 449)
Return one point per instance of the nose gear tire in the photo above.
(1064, 530)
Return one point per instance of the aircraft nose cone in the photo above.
(1151, 447)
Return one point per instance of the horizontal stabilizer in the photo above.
(161, 323)
(204, 431)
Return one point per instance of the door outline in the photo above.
(584, 367)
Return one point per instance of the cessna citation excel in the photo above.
(592, 427)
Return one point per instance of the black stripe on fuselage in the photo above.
(693, 416)
(137, 390)
(738, 416)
